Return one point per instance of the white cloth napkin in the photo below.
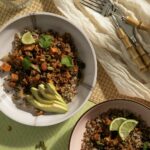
(110, 51)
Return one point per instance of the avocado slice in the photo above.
(47, 95)
(51, 88)
(38, 97)
(54, 107)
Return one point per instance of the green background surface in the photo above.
(23, 137)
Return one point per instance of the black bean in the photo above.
(114, 134)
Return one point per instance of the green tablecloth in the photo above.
(22, 137)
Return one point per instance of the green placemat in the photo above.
(15, 136)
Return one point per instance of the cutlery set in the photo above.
(125, 28)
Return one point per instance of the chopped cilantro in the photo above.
(67, 61)
(26, 63)
(45, 41)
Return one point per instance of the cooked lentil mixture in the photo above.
(98, 137)
(33, 64)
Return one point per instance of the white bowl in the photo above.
(136, 108)
(86, 52)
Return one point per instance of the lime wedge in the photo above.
(27, 38)
(115, 124)
(126, 127)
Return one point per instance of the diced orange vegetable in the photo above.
(20, 58)
(44, 66)
(96, 136)
(54, 50)
(38, 113)
(28, 47)
(5, 67)
(115, 141)
(50, 81)
(14, 77)
(76, 68)
(67, 74)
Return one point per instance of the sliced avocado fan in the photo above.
(49, 95)
(36, 94)
(53, 108)
(51, 88)
(47, 99)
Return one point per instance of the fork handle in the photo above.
(143, 54)
(131, 49)
(136, 23)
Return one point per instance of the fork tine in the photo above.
(96, 2)
(91, 5)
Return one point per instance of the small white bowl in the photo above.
(79, 129)
(47, 21)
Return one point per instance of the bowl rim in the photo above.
(97, 105)
(94, 60)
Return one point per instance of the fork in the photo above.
(124, 31)
(101, 5)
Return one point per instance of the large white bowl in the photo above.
(86, 52)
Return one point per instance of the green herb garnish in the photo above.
(146, 145)
(67, 61)
(45, 41)
(26, 63)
